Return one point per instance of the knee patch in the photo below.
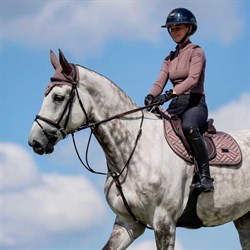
(190, 130)
(193, 130)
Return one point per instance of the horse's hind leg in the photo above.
(123, 235)
(243, 226)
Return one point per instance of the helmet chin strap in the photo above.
(185, 37)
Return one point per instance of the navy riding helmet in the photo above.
(181, 16)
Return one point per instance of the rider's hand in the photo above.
(164, 97)
(149, 100)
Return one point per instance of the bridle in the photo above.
(62, 129)
(71, 80)
(67, 109)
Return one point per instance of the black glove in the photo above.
(148, 99)
(164, 97)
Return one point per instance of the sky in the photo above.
(51, 202)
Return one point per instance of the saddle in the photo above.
(222, 148)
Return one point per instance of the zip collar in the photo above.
(180, 47)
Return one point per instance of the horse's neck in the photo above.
(117, 136)
(108, 99)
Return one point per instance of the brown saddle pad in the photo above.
(228, 152)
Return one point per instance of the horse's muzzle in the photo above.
(39, 149)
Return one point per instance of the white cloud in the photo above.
(85, 27)
(37, 206)
(233, 116)
(150, 245)
(17, 167)
(145, 245)
(220, 21)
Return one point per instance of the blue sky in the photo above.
(122, 40)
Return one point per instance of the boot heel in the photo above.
(207, 184)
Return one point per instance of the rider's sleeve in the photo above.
(162, 79)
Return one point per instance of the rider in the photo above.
(185, 67)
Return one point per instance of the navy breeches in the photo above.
(192, 109)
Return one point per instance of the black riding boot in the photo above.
(205, 184)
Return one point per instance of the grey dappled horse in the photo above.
(154, 180)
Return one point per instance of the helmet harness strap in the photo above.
(185, 37)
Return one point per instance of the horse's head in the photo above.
(54, 120)
(76, 98)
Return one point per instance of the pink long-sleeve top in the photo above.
(185, 68)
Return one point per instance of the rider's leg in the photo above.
(193, 119)
(200, 152)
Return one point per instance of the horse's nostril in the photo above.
(37, 147)
(35, 144)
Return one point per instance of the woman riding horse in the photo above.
(185, 67)
(79, 98)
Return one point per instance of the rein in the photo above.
(52, 138)
(113, 174)
(94, 125)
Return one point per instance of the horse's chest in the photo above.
(114, 196)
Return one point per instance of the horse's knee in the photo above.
(123, 235)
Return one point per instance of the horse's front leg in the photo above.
(123, 235)
(165, 236)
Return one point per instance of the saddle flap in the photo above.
(211, 148)
(177, 127)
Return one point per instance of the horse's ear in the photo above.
(54, 60)
(67, 69)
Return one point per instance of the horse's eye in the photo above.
(58, 98)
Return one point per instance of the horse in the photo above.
(147, 184)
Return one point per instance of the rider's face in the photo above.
(177, 32)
